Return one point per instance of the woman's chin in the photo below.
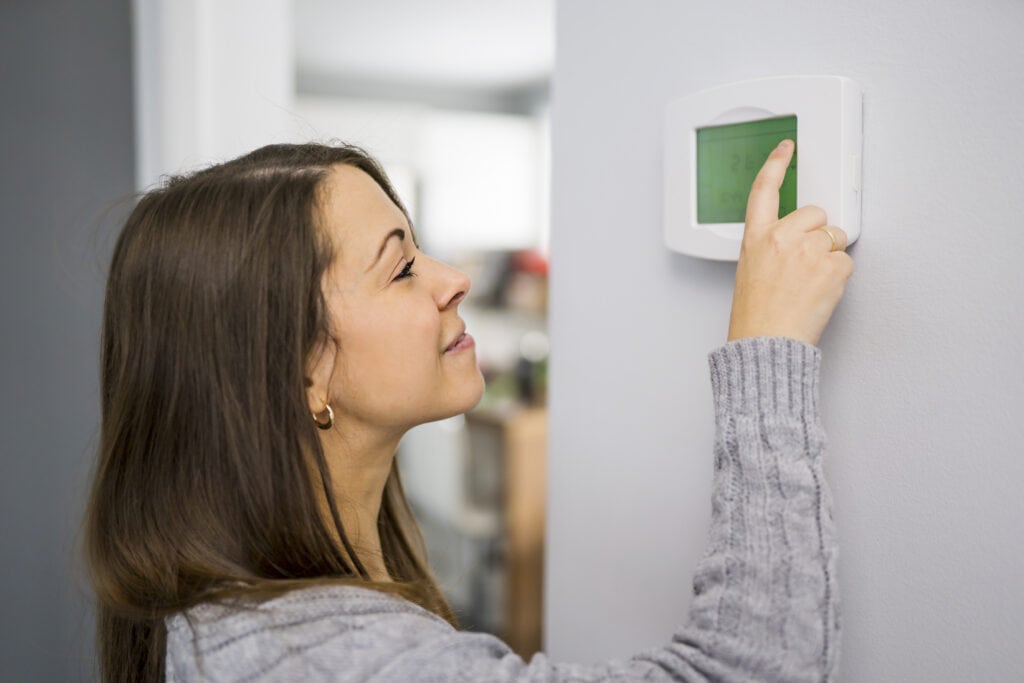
(468, 398)
(473, 395)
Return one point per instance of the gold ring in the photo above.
(831, 236)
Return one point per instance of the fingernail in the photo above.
(784, 145)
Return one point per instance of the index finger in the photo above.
(763, 202)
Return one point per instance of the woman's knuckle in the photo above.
(762, 183)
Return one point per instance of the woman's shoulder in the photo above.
(314, 601)
(321, 626)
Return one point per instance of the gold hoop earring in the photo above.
(330, 418)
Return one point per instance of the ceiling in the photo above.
(454, 44)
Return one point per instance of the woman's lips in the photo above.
(464, 341)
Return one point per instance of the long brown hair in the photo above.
(203, 487)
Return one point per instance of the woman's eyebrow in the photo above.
(397, 232)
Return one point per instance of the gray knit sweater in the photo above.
(765, 604)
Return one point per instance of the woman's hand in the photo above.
(789, 278)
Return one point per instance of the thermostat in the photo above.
(717, 140)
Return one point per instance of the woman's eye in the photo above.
(406, 271)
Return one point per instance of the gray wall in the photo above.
(923, 364)
(66, 153)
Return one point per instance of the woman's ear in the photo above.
(319, 370)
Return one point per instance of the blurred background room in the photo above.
(450, 95)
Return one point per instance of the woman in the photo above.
(271, 330)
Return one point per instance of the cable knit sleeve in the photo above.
(765, 603)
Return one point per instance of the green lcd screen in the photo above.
(728, 158)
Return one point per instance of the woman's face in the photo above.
(399, 357)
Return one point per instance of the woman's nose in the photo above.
(454, 286)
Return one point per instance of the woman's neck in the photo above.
(359, 466)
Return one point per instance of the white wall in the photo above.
(923, 370)
(213, 78)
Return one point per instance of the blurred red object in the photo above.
(531, 261)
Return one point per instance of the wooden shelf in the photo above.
(508, 448)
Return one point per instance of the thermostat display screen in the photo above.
(728, 159)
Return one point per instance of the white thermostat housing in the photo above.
(716, 140)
